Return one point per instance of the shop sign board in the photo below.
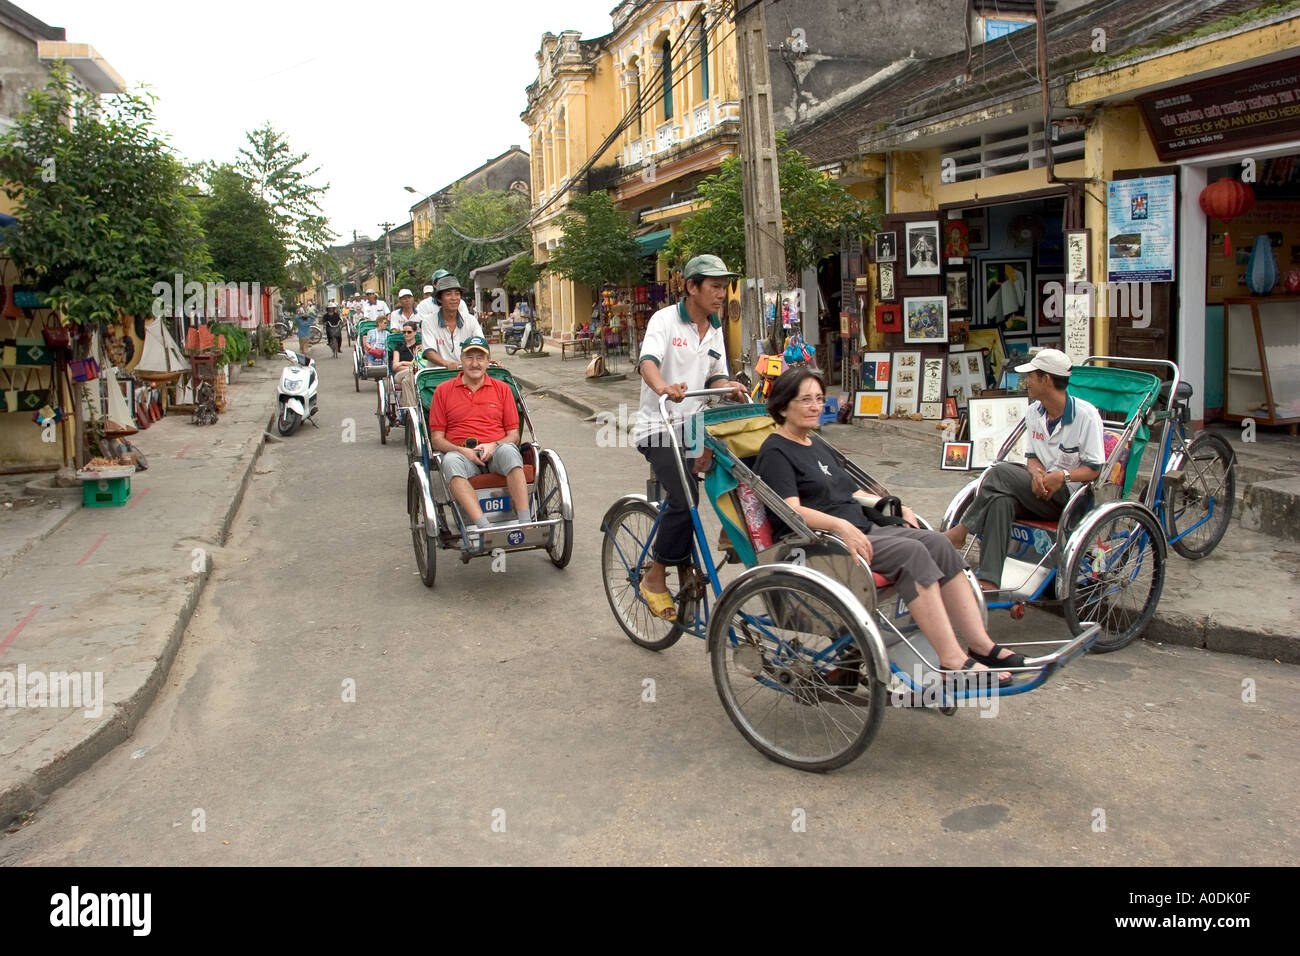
(1230, 112)
(1140, 229)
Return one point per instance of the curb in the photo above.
(28, 795)
(574, 403)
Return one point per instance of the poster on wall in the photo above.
(922, 248)
(1140, 229)
(1078, 325)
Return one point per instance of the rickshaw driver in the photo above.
(1066, 450)
(474, 422)
(683, 351)
(446, 323)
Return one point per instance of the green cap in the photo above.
(438, 275)
(475, 342)
(707, 266)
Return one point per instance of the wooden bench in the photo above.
(584, 344)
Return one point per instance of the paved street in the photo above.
(515, 698)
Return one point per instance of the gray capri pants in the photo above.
(915, 557)
(504, 460)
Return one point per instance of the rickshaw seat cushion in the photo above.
(1038, 523)
(490, 480)
(880, 579)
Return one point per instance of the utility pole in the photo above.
(761, 184)
(388, 260)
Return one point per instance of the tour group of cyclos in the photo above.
(829, 600)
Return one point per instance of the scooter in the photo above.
(298, 386)
(523, 335)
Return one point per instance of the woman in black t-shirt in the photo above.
(926, 567)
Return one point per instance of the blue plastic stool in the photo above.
(830, 412)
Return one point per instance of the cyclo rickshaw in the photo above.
(388, 411)
(437, 520)
(362, 370)
(1104, 560)
(806, 641)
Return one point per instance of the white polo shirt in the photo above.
(672, 341)
(373, 312)
(435, 335)
(1075, 442)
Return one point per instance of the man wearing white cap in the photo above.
(405, 310)
(374, 307)
(428, 294)
(1065, 452)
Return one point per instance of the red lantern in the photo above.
(1227, 199)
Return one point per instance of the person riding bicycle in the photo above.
(683, 351)
(404, 312)
(446, 323)
(333, 323)
(374, 306)
(927, 568)
(1066, 450)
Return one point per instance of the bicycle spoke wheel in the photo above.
(792, 671)
(550, 505)
(426, 547)
(1198, 506)
(621, 566)
(1116, 576)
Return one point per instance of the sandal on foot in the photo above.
(962, 678)
(991, 659)
(660, 602)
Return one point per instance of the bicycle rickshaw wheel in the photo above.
(550, 505)
(315, 336)
(382, 415)
(814, 715)
(626, 533)
(426, 547)
(1115, 577)
(1208, 475)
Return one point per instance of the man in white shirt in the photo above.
(1066, 451)
(683, 351)
(374, 307)
(446, 325)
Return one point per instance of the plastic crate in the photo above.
(106, 492)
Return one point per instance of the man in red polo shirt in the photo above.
(473, 421)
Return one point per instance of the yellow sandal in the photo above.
(660, 602)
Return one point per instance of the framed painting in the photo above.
(870, 404)
(956, 239)
(889, 318)
(966, 376)
(977, 228)
(991, 341)
(905, 383)
(886, 272)
(957, 285)
(1006, 291)
(1050, 295)
(1078, 255)
(875, 371)
(992, 420)
(922, 248)
(886, 247)
(925, 319)
(956, 456)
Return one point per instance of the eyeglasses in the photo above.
(810, 401)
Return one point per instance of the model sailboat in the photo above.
(162, 360)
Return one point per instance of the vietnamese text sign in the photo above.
(1242, 109)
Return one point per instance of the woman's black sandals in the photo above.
(991, 659)
(968, 677)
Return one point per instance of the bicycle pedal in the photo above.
(1175, 477)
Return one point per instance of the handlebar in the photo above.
(696, 393)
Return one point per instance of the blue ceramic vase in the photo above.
(1261, 268)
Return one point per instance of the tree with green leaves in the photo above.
(597, 246)
(816, 211)
(522, 275)
(475, 213)
(102, 206)
(278, 177)
(241, 232)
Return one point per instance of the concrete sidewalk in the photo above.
(1242, 599)
(106, 594)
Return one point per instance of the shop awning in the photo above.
(652, 242)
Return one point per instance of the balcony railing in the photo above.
(702, 119)
(664, 137)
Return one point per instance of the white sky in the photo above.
(441, 83)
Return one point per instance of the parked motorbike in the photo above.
(523, 335)
(298, 387)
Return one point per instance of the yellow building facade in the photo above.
(659, 93)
